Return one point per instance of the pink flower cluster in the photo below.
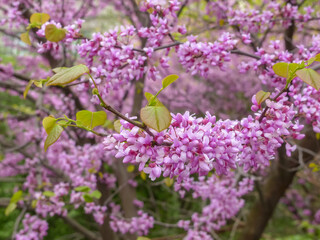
(139, 225)
(224, 196)
(34, 228)
(199, 145)
(98, 212)
(198, 57)
(117, 63)
(308, 104)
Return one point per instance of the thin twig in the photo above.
(17, 223)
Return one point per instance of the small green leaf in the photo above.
(91, 119)
(143, 238)
(34, 203)
(82, 189)
(317, 57)
(10, 208)
(87, 198)
(96, 194)
(25, 38)
(168, 181)
(53, 136)
(26, 90)
(39, 18)
(130, 168)
(310, 77)
(48, 123)
(39, 83)
(152, 100)
(156, 117)
(143, 176)
(54, 34)
(68, 75)
(261, 96)
(48, 194)
(16, 197)
(281, 69)
(168, 80)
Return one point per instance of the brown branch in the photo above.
(81, 229)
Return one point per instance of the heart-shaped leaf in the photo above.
(156, 117)
(281, 69)
(53, 136)
(91, 119)
(310, 77)
(48, 123)
(25, 38)
(39, 18)
(168, 80)
(54, 34)
(261, 96)
(68, 75)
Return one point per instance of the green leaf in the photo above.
(87, 198)
(168, 80)
(117, 126)
(156, 117)
(39, 18)
(58, 69)
(261, 96)
(317, 57)
(281, 69)
(26, 90)
(130, 168)
(10, 208)
(48, 194)
(311, 60)
(310, 77)
(54, 34)
(143, 238)
(68, 75)
(96, 194)
(39, 83)
(82, 189)
(53, 136)
(48, 123)
(168, 181)
(91, 119)
(293, 67)
(34, 203)
(152, 100)
(16, 197)
(25, 38)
